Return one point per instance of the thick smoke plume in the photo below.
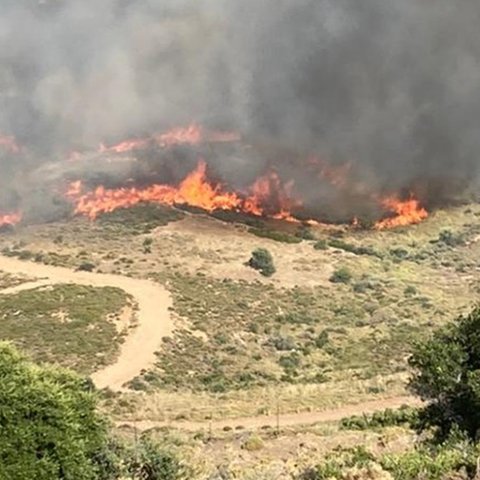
(388, 87)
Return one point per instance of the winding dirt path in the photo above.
(154, 320)
(283, 420)
(154, 323)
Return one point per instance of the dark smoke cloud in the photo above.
(389, 86)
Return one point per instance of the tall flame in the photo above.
(10, 219)
(407, 212)
(190, 135)
(195, 190)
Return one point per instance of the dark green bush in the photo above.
(356, 250)
(447, 237)
(86, 267)
(342, 275)
(386, 418)
(149, 462)
(305, 233)
(446, 374)
(49, 425)
(262, 261)
(321, 245)
(274, 235)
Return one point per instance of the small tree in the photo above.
(49, 426)
(262, 261)
(447, 376)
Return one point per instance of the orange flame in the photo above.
(195, 190)
(9, 144)
(191, 135)
(126, 146)
(10, 219)
(407, 212)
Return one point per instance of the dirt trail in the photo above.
(154, 320)
(284, 420)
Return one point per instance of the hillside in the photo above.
(243, 346)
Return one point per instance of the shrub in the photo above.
(342, 275)
(294, 318)
(305, 233)
(386, 418)
(410, 291)
(86, 267)
(321, 245)
(274, 235)
(322, 339)
(50, 427)
(262, 261)
(283, 344)
(147, 245)
(349, 247)
(149, 462)
(447, 237)
(253, 443)
(446, 373)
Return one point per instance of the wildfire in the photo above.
(191, 135)
(195, 190)
(126, 146)
(9, 144)
(10, 219)
(407, 212)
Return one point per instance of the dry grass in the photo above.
(75, 326)
(404, 283)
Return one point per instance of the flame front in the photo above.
(196, 191)
(10, 219)
(407, 212)
(190, 135)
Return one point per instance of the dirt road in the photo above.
(283, 420)
(154, 320)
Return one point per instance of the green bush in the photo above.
(446, 374)
(149, 462)
(86, 267)
(274, 235)
(49, 425)
(342, 275)
(386, 418)
(253, 443)
(349, 247)
(262, 261)
(449, 461)
(305, 233)
(447, 237)
(321, 245)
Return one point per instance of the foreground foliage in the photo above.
(456, 459)
(49, 428)
(447, 376)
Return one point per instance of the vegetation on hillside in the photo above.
(445, 374)
(71, 325)
(262, 261)
(51, 430)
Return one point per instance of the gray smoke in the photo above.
(389, 86)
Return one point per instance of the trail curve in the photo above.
(154, 320)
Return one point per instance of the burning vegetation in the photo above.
(269, 195)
